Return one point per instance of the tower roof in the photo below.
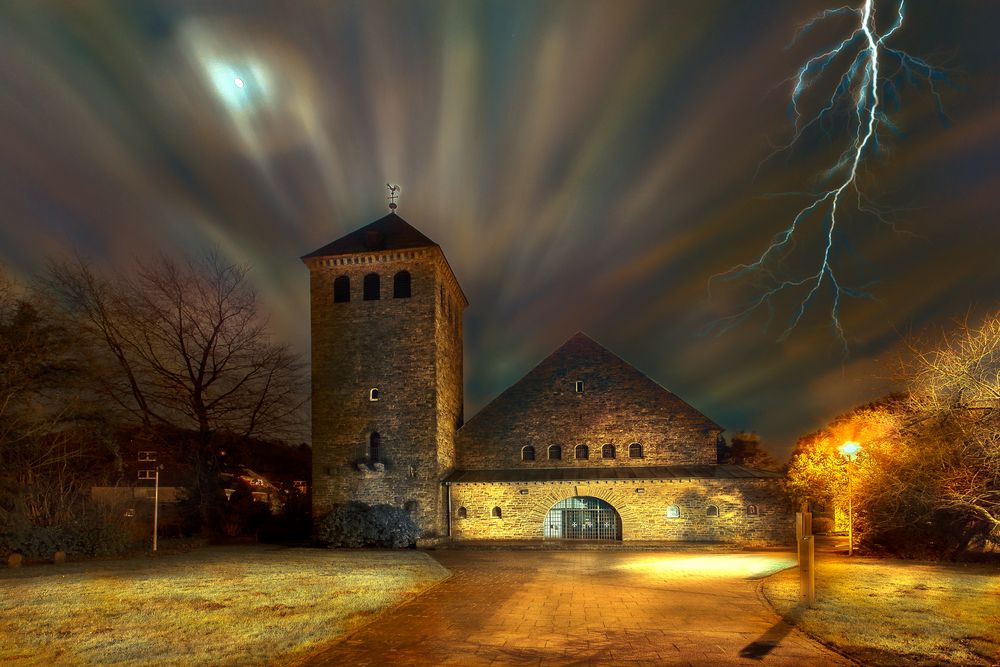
(390, 232)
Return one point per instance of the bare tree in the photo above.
(188, 349)
(962, 372)
(190, 346)
(955, 395)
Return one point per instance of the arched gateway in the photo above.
(583, 518)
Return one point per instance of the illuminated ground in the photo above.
(913, 613)
(586, 607)
(218, 606)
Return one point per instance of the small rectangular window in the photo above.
(579, 386)
(147, 474)
(147, 456)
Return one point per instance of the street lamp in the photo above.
(849, 450)
(156, 504)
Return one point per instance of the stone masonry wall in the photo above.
(449, 375)
(524, 507)
(619, 405)
(397, 346)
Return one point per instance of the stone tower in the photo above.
(386, 370)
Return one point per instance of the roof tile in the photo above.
(391, 233)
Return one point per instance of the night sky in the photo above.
(584, 165)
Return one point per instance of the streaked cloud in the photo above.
(585, 165)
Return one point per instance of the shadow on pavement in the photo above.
(767, 642)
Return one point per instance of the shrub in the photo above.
(360, 525)
(345, 526)
(937, 536)
(393, 527)
(99, 531)
(96, 531)
(34, 542)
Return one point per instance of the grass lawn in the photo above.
(217, 606)
(899, 612)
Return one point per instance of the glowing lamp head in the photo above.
(849, 449)
(239, 82)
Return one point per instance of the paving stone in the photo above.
(546, 616)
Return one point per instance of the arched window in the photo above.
(608, 451)
(372, 287)
(528, 453)
(401, 285)
(462, 513)
(374, 445)
(373, 394)
(752, 510)
(582, 452)
(673, 512)
(411, 506)
(635, 451)
(341, 289)
(711, 510)
(497, 513)
(555, 452)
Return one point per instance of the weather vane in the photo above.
(393, 195)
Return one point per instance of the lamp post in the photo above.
(156, 504)
(849, 450)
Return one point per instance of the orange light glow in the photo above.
(849, 449)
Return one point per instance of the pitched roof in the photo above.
(630, 386)
(704, 471)
(390, 232)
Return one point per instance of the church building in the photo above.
(584, 446)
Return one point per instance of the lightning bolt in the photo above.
(858, 90)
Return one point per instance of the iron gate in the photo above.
(583, 518)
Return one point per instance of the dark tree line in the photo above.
(46, 420)
(745, 449)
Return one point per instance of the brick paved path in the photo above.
(582, 608)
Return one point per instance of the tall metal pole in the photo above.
(156, 505)
(850, 513)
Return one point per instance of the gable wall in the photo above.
(619, 405)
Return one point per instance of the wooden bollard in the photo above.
(807, 570)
